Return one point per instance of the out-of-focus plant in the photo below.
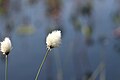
(86, 9)
(103, 40)
(31, 2)
(87, 33)
(53, 8)
(4, 5)
(116, 17)
(26, 28)
(116, 32)
(76, 23)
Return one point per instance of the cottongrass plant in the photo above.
(5, 48)
(53, 40)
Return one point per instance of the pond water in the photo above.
(77, 56)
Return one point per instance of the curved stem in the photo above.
(36, 78)
(6, 68)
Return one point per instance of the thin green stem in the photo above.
(6, 68)
(36, 78)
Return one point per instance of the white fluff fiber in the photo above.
(5, 46)
(53, 39)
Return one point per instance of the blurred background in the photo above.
(90, 48)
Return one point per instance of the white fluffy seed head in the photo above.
(53, 39)
(6, 46)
